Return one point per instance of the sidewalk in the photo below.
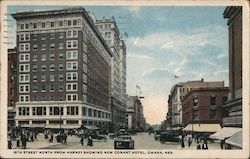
(37, 144)
(211, 146)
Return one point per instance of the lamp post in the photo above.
(60, 116)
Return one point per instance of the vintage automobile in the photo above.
(157, 134)
(124, 142)
(98, 137)
(169, 136)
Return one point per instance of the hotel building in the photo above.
(63, 69)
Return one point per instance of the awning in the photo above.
(235, 140)
(90, 127)
(57, 126)
(33, 125)
(202, 127)
(225, 133)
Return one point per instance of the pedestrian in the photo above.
(198, 146)
(18, 142)
(51, 138)
(189, 141)
(9, 144)
(24, 141)
(82, 140)
(182, 141)
(222, 144)
(90, 141)
(31, 137)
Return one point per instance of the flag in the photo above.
(175, 76)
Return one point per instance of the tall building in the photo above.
(135, 115)
(110, 32)
(11, 86)
(204, 105)
(178, 92)
(233, 107)
(63, 69)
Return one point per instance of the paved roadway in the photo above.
(142, 141)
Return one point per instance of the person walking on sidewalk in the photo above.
(82, 140)
(189, 141)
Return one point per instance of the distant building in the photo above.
(63, 69)
(110, 32)
(178, 92)
(12, 86)
(203, 105)
(135, 115)
(233, 107)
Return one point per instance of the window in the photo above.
(52, 98)
(34, 68)
(89, 112)
(213, 113)
(52, 24)
(52, 67)
(72, 76)
(60, 67)
(52, 77)
(52, 46)
(60, 46)
(74, 22)
(71, 65)
(24, 111)
(84, 57)
(61, 35)
(44, 47)
(84, 98)
(24, 68)
(35, 25)
(72, 44)
(24, 98)
(35, 37)
(24, 78)
(43, 88)
(72, 97)
(71, 86)
(69, 23)
(26, 26)
(24, 88)
(34, 89)
(24, 57)
(84, 78)
(60, 77)
(35, 57)
(35, 47)
(34, 78)
(44, 67)
(44, 38)
(84, 111)
(22, 26)
(43, 24)
(72, 34)
(24, 37)
(60, 88)
(43, 57)
(43, 78)
(72, 110)
(84, 68)
(224, 99)
(56, 111)
(84, 87)
(60, 23)
(71, 55)
(52, 88)
(60, 56)
(24, 47)
(38, 110)
(61, 98)
(212, 100)
(52, 56)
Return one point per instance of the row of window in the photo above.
(70, 76)
(56, 110)
(49, 24)
(70, 44)
(103, 26)
(69, 97)
(51, 67)
(85, 122)
(35, 37)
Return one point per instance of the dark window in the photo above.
(212, 100)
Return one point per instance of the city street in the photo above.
(142, 141)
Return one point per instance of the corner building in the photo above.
(63, 69)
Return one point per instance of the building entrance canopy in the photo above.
(202, 127)
(225, 133)
(235, 140)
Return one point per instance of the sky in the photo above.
(163, 42)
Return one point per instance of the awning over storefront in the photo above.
(57, 126)
(33, 125)
(202, 127)
(225, 133)
(235, 140)
(90, 127)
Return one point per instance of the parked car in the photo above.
(124, 142)
(98, 137)
(157, 134)
(169, 136)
